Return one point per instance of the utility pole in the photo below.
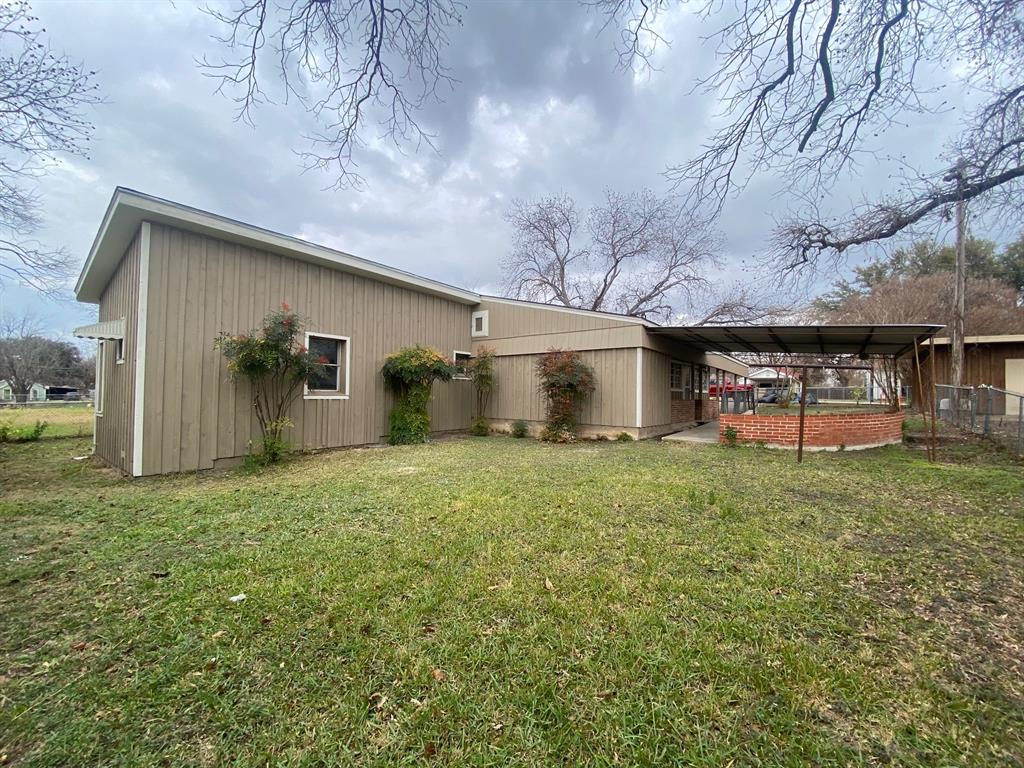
(960, 278)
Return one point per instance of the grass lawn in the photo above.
(61, 420)
(501, 602)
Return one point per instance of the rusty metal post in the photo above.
(920, 389)
(803, 409)
(934, 395)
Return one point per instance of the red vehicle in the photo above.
(729, 388)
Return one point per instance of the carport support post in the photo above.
(803, 414)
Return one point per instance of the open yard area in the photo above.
(75, 420)
(496, 601)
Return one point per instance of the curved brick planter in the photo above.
(822, 432)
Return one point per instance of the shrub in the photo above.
(624, 437)
(556, 435)
(481, 372)
(9, 434)
(520, 428)
(567, 382)
(410, 373)
(276, 364)
(730, 434)
(480, 427)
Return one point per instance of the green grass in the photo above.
(770, 409)
(502, 602)
(61, 420)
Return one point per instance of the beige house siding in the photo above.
(612, 407)
(200, 285)
(507, 320)
(114, 429)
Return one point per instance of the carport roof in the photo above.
(802, 339)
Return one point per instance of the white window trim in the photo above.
(455, 358)
(486, 324)
(319, 394)
(670, 387)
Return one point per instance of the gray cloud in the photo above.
(539, 108)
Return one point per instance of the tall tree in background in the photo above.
(27, 357)
(806, 86)
(635, 254)
(43, 95)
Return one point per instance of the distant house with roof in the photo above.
(36, 393)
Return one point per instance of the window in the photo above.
(675, 376)
(479, 327)
(101, 348)
(461, 364)
(333, 352)
(120, 351)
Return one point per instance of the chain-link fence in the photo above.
(857, 395)
(26, 401)
(994, 413)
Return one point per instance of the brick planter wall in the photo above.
(821, 431)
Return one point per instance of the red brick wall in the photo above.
(820, 430)
(709, 409)
(682, 410)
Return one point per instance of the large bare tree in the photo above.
(28, 357)
(806, 87)
(43, 96)
(635, 254)
(355, 65)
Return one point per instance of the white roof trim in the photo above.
(102, 331)
(1008, 338)
(128, 209)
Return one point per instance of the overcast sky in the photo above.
(539, 108)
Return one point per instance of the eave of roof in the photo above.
(881, 339)
(128, 209)
(1006, 338)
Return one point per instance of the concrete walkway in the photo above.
(705, 433)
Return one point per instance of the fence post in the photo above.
(988, 410)
(1020, 425)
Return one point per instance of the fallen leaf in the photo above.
(237, 598)
(548, 585)
(160, 574)
(439, 675)
(219, 634)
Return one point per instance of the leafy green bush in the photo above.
(567, 382)
(480, 427)
(520, 428)
(624, 437)
(277, 365)
(410, 373)
(730, 434)
(10, 434)
(481, 372)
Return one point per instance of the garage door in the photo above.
(1014, 383)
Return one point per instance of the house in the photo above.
(995, 361)
(768, 378)
(36, 393)
(167, 278)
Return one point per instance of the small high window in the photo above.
(480, 322)
(333, 353)
(461, 364)
(120, 351)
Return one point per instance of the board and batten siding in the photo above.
(120, 299)
(195, 415)
(512, 320)
(613, 403)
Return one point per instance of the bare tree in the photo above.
(806, 85)
(635, 254)
(43, 95)
(27, 357)
(349, 63)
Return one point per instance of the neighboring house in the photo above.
(36, 393)
(997, 361)
(768, 378)
(167, 278)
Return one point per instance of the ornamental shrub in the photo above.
(276, 364)
(410, 373)
(566, 382)
(480, 427)
(520, 428)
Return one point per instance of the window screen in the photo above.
(331, 354)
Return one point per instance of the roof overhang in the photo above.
(1006, 338)
(128, 209)
(105, 330)
(861, 340)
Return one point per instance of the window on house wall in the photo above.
(461, 364)
(333, 352)
(675, 376)
(101, 348)
(120, 351)
(479, 323)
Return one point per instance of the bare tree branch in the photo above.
(43, 96)
(350, 63)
